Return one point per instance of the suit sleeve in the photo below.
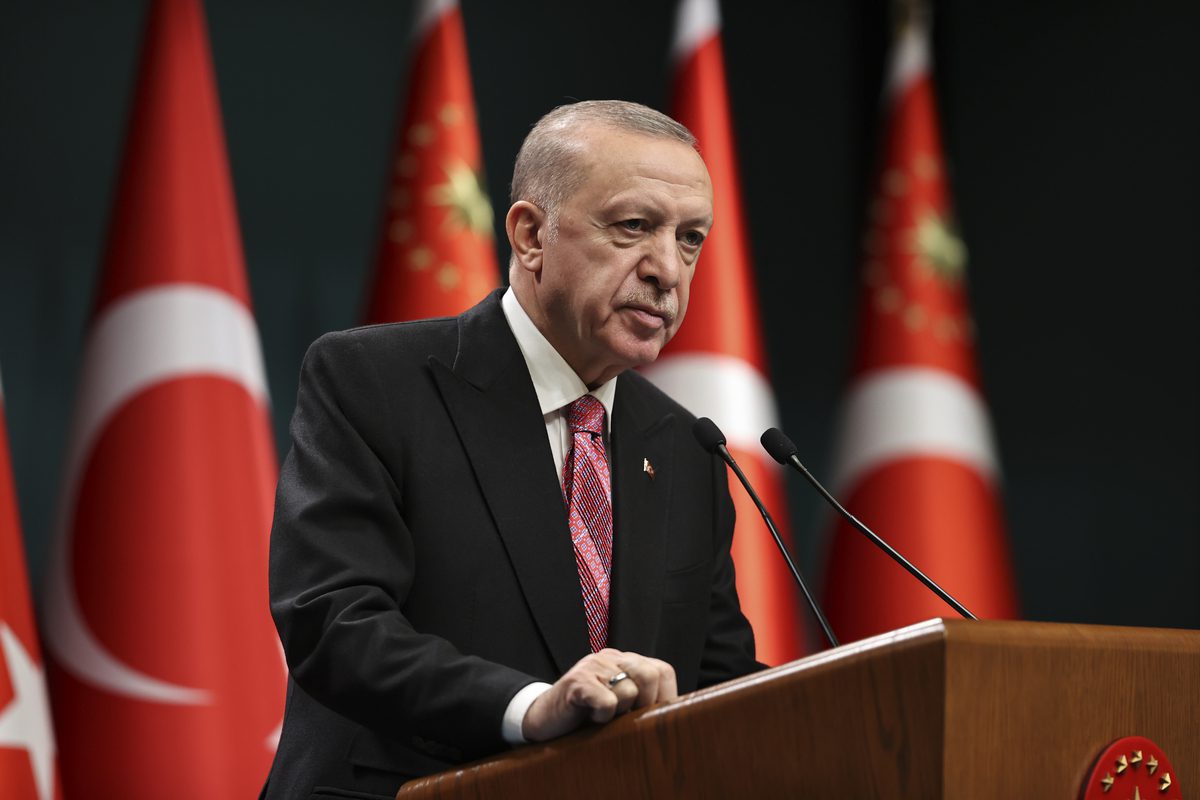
(729, 648)
(342, 563)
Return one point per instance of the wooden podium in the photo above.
(945, 708)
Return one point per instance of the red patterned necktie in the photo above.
(586, 484)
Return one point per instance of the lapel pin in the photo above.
(648, 468)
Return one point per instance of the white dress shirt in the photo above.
(557, 386)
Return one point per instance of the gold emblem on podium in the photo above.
(1131, 768)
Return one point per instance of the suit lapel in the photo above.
(639, 438)
(489, 396)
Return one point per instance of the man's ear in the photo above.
(526, 227)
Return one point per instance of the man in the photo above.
(488, 531)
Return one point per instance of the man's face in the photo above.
(613, 287)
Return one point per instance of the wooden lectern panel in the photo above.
(1031, 705)
(940, 709)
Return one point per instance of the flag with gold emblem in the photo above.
(436, 256)
(28, 763)
(915, 458)
(716, 365)
(166, 675)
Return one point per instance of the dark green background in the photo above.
(1071, 128)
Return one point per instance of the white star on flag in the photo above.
(25, 722)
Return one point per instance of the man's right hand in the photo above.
(587, 692)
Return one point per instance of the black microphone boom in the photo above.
(780, 447)
(711, 439)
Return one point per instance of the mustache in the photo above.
(662, 303)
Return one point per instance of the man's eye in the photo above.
(634, 224)
(693, 238)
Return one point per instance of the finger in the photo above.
(624, 687)
(594, 698)
(645, 674)
(601, 665)
(602, 705)
(668, 689)
(646, 679)
(655, 679)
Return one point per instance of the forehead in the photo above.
(617, 163)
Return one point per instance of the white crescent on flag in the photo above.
(429, 12)
(147, 338)
(913, 411)
(695, 22)
(726, 389)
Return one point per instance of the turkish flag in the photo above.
(436, 256)
(28, 768)
(915, 459)
(166, 675)
(716, 365)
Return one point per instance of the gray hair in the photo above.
(547, 170)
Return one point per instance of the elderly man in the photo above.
(488, 531)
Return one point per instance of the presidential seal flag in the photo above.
(1134, 767)
(436, 253)
(166, 675)
(28, 764)
(915, 459)
(716, 365)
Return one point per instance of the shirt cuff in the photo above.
(514, 715)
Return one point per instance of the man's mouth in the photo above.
(650, 316)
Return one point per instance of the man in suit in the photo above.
(488, 531)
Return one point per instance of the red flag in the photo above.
(166, 674)
(28, 769)
(915, 458)
(716, 364)
(436, 256)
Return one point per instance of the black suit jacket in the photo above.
(422, 570)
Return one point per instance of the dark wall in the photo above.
(1070, 127)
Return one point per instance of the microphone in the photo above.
(711, 439)
(780, 448)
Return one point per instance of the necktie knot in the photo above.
(586, 415)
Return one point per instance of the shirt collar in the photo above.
(555, 382)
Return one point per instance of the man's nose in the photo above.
(663, 263)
